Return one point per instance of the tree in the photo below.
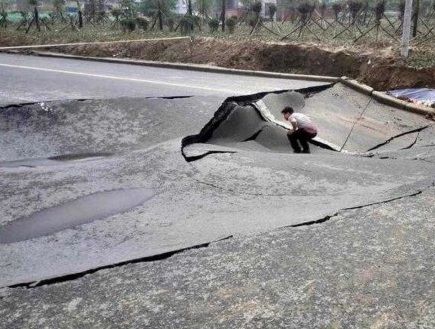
(272, 11)
(256, 9)
(231, 24)
(35, 18)
(116, 13)
(158, 9)
(3, 14)
(101, 10)
(247, 3)
(59, 7)
(189, 21)
(213, 25)
(337, 8)
(128, 8)
(91, 9)
(3, 17)
(80, 14)
(223, 14)
(355, 7)
(379, 13)
(203, 7)
(415, 18)
(160, 13)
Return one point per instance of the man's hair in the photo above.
(287, 109)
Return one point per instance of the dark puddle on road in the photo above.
(73, 213)
(80, 156)
(54, 160)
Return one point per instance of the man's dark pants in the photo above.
(301, 136)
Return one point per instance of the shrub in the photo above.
(322, 8)
(354, 8)
(116, 13)
(142, 23)
(305, 9)
(337, 8)
(3, 18)
(252, 20)
(231, 24)
(272, 10)
(379, 10)
(171, 23)
(213, 24)
(186, 24)
(128, 25)
(256, 7)
(196, 20)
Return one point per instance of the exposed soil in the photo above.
(380, 68)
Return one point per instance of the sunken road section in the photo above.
(240, 177)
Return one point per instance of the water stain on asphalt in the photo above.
(73, 213)
(54, 160)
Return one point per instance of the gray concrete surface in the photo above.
(37, 79)
(366, 268)
(329, 239)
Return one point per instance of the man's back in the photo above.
(303, 121)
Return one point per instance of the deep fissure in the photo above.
(328, 217)
(74, 276)
(228, 106)
(166, 255)
(397, 136)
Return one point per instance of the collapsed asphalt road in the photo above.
(209, 171)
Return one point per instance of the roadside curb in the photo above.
(190, 67)
(383, 98)
(365, 89)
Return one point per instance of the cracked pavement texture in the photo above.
(367, 268)
(342, 272)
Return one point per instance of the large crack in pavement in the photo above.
(252, 185)
(166, 255)
(258, 109)
(39, 103)
(328, 217)
(75, 276)
(398, 136)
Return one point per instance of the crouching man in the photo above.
(303, 130)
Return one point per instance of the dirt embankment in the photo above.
(380, 69)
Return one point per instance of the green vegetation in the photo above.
(128, 24)
(142, 23)
(213, 25)
(231, 24)
(350, 23)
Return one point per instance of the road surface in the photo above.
(33, 79)
(189, 213)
